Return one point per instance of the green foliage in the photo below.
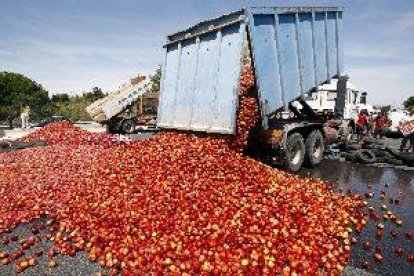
(74, 107)
(60, 98)
(409, 103)
(386, 109)
(16, 90)
(94, 95)
(156, 79)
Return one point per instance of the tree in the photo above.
(16, 90)
(156, 79)
(74, 107)
(385, 109)
(409, 103)
(61, 98)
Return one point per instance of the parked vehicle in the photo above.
(293, 50)
(324, 100)
(129, 108)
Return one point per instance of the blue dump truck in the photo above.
(291, 49)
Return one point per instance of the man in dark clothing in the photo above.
(10, 119)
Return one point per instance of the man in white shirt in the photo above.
(25, 110)
(409, 134)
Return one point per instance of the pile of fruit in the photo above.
(64, 133)
(177, 202)
(248, 110)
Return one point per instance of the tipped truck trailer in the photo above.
(292, 51)
(119, 110)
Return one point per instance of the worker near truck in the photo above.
(408, 138)
(24, 115)
(362, 125)
(381, 123)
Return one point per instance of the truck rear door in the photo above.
(200, 78)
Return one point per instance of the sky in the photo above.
(70, 46)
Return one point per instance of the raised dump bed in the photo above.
(291, 49)
(294, 49)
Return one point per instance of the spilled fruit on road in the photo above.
(176, 202)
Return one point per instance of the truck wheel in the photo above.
(295, 152)
(351, 156)
(128, 126)
(366, 156)
(390, 159)
(314, 148)
(110, 128)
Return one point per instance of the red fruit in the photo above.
(5, 261)
(38, 252)
(52, 252)
(6, 241)
(410, 258)
(177, 196)
(35, 230)
(18, 268)
(31, 261)
(399, 251)
(378, 257)
(393, 233)
(24, 264)
(380, 232)
(52, 263)
(409, 235)
(367, 244)
(366, 264)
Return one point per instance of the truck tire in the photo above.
(354, 147)
(390, 159)
(128, 126)
(110, 128)
(4, 145)
(314, 148)
(351, 156)
(381, 160)
(365, 156)
(295, 152)
(378, 152)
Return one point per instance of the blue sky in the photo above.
(72, 45)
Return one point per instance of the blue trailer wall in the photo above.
(293, 49)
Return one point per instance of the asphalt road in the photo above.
(396, 184)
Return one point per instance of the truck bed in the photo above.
(294, 49)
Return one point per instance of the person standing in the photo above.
(381, 123)
(370, 127)
(408, 137)
(25, 112)
(361, 126)
(10, 119)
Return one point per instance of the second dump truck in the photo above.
(292, 51)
